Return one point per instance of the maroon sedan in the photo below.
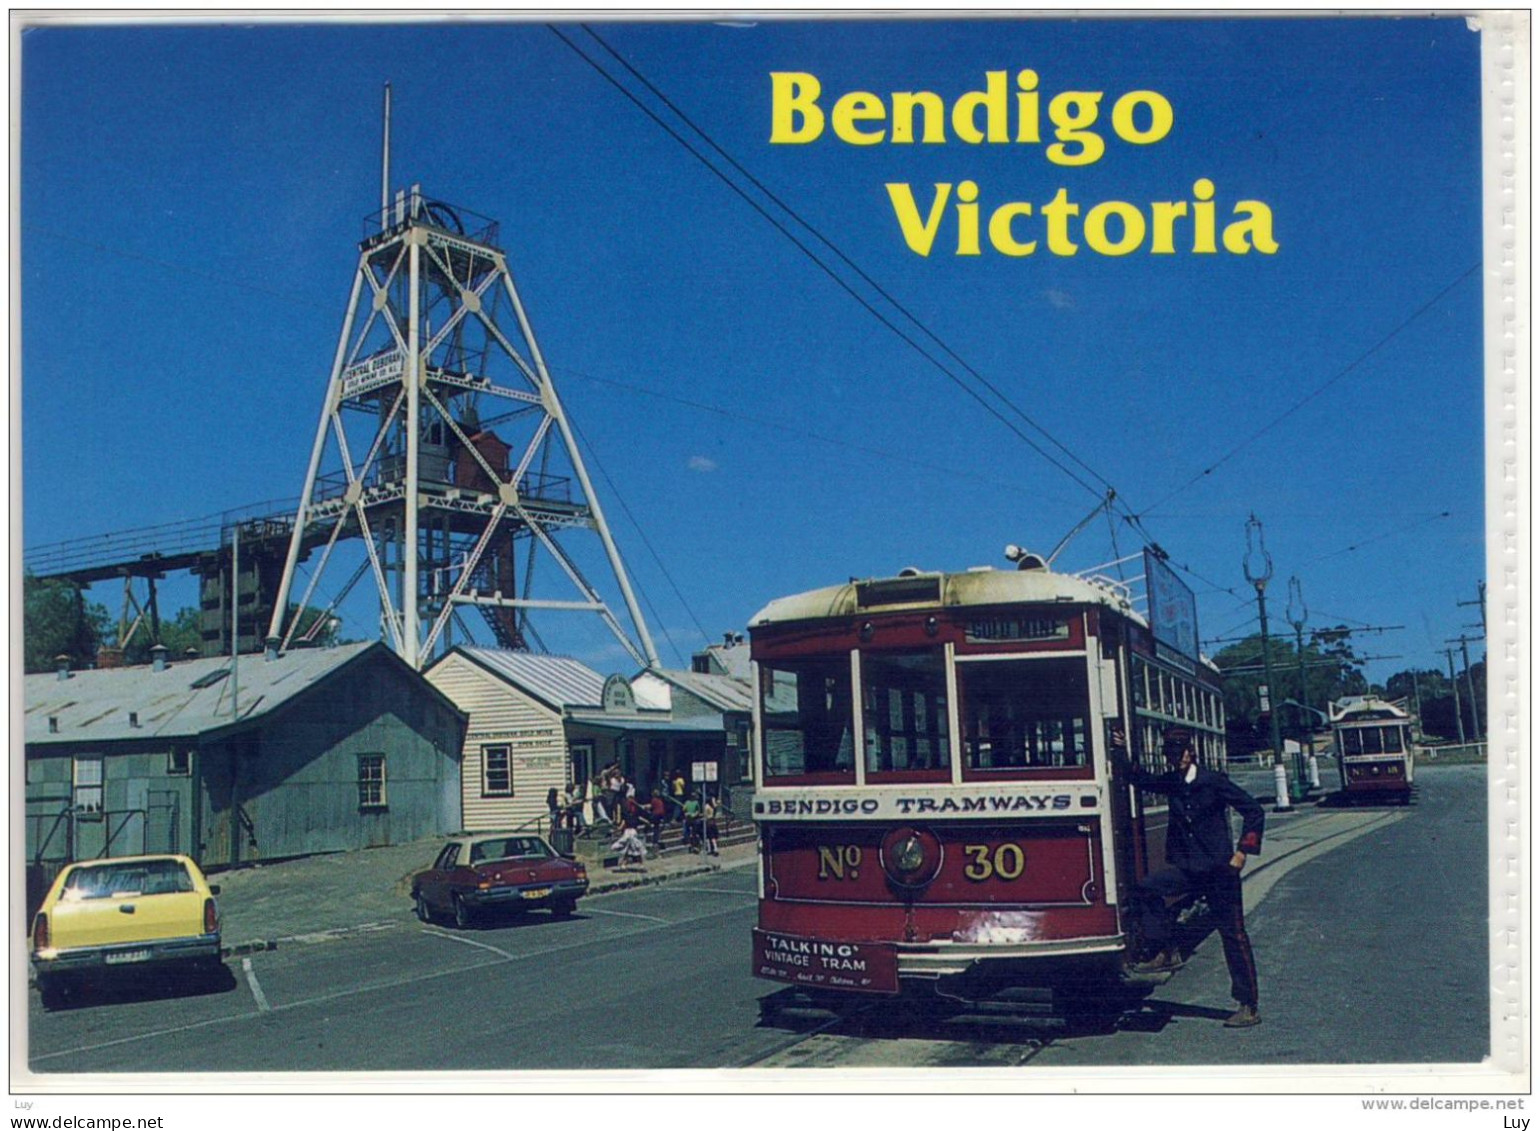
(476, 872)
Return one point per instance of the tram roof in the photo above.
(983, 585)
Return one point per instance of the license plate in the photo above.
(115, 957)
(537, 893)
(859, 967)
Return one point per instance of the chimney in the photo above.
(62, 663)
(727, 639)
(270, 652)
(158, 657)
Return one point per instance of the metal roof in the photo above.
(559, 681)
(94, 706)
(697, 724)
(720, 691)
(983, 586)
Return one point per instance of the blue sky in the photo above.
(191, 198)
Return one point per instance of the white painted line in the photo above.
(587, 910)
(470, 942)
(256, 988)
(416, 978)
(724, 891)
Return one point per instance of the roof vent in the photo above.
(133, 718)
(910, 571)
(158, 657)
(62, 663)
(53, 724)
(1025, 559)
(271, 650)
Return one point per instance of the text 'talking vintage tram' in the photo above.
(935, 802)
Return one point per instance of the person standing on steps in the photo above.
(1200, 861)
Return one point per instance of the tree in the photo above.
(1332, 670)
(58, 620)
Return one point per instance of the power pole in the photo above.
(1259, 576)
(1470, 686)
(1481, 603)
(1459, 717)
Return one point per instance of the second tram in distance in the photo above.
(1373, 741)
(935, 802)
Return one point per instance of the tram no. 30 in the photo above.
(935, 799)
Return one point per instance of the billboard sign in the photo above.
(1173, 610)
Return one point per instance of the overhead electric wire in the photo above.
(642, 533)
(845, 259)
(820, 264)
(1379, 537)
(1313, 394)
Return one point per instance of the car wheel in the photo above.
(424, 912)
(563, 908)
(462, 913)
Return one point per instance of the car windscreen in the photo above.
(508, 848)
(139, 877)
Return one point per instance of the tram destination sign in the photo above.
(1173, 610)
(952, 802)
(1005, 629)
(860, 967)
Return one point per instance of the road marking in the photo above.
(627, 915)
(356, 991)
(721, 891)
(470, 942)
(256, 988)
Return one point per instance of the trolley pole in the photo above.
(1259, 577)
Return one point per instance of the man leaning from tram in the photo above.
(1201, 862)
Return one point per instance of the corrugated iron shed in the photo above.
(187, 697)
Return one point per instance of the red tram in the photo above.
(1373, 741)
(935, 803)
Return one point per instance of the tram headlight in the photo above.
(911, 857)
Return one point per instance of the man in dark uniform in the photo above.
(1200, 861)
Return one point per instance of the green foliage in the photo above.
(1331, 670)
(1436, 696)
(58, 621)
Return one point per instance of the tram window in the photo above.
(904, 712)
(1370, 736)
(806, 708)
(1025, 714)
(1141, 685)
(1392, 736)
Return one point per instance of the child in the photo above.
(711, 828)
(632, 851)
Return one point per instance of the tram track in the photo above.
(857, 1021)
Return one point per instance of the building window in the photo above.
(496, 771)
(371, 781)
(178, 764)
(88, 785)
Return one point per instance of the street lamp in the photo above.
(1259, 574)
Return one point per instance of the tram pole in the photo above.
(1302, 705)
(1259, 578)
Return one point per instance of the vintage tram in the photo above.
(936, 805)
(1373, 742)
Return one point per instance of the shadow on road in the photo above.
(139, 986)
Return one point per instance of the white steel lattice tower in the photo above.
(443, 449)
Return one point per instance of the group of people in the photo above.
(613, 800)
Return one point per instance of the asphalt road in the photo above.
(1369, 927)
